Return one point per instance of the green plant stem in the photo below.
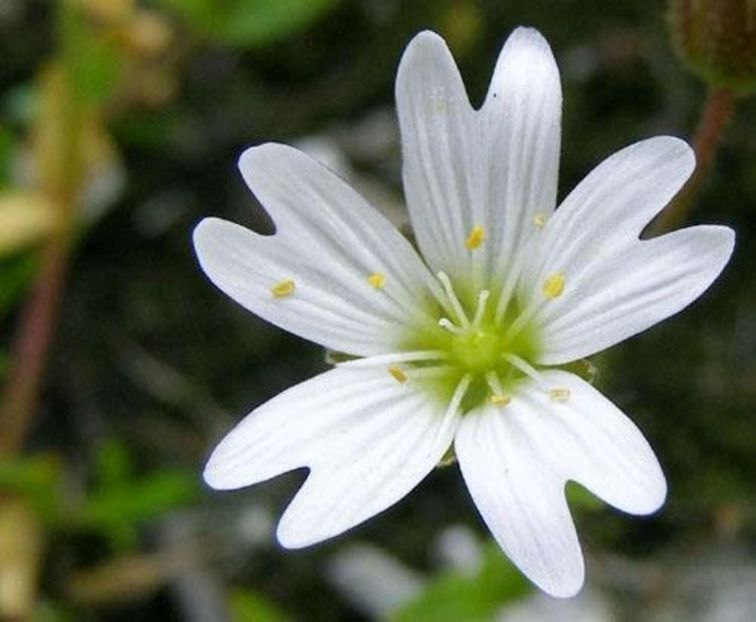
(717, 113)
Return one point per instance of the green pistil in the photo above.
(477, 351)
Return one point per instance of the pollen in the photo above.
(500, 400)
(475, 238)
(539, 219)
(397, 374)
(553, 286)
(559, 395)
(282, 289)
(377, 280)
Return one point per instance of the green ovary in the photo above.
(477, 351)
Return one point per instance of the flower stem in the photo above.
(717, 112)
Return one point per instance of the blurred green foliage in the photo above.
(473, 597)
(248, 606)
(249, 23)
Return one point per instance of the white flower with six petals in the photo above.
(460, 345)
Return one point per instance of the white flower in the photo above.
(461, 344)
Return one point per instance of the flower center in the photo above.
(473, 354)
(477, 350)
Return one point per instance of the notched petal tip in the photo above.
(528, 36)
(216, 476)
(264, 155)
(427, 49)
(673, 148)
(567, 588)
(425, 39)
(207, 236)
(293, 539)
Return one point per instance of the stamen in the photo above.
(430, 372)
(397, 374)
(553, 286)
(475, 238)
(521, 320)
(282, 289)
(377, 280)
(525, 368)
(498, 396)
(453, 300)
(454, 403)
(446, 323)
(559, 394)
(481, 310)
(459, 393)
(539, 219)
(500, 400)
(492, 379)
(398, 357)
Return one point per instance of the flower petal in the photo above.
(630, 290)
(516, 461)
(610, 207)
(328, 243)
(522, 117)
(367, 439)
(495, 168)
(439, 133)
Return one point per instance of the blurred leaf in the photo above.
(457, 597)
(249, 22)
(37, 479)
(249, 606)
(121, 502)
(7, 151)
(15, 275)
(113, 465)
(52, 612)
(25, 218)
(92, 61)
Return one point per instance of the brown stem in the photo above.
(32, 344)
(717, 112)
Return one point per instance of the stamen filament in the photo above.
(453, 408)
(446, 323)
(525, 368)
(398, 357)
(419, 373)
(455, 303)
(492, 379)
(459, 393)
(513, 276)
(481, 310)
(522, 320)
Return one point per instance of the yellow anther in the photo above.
(559, 395)
(377, 280)
(500, 400)
(397, 374)
(553, 286)
(539, 219)
(476, 237)
(282, 289)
